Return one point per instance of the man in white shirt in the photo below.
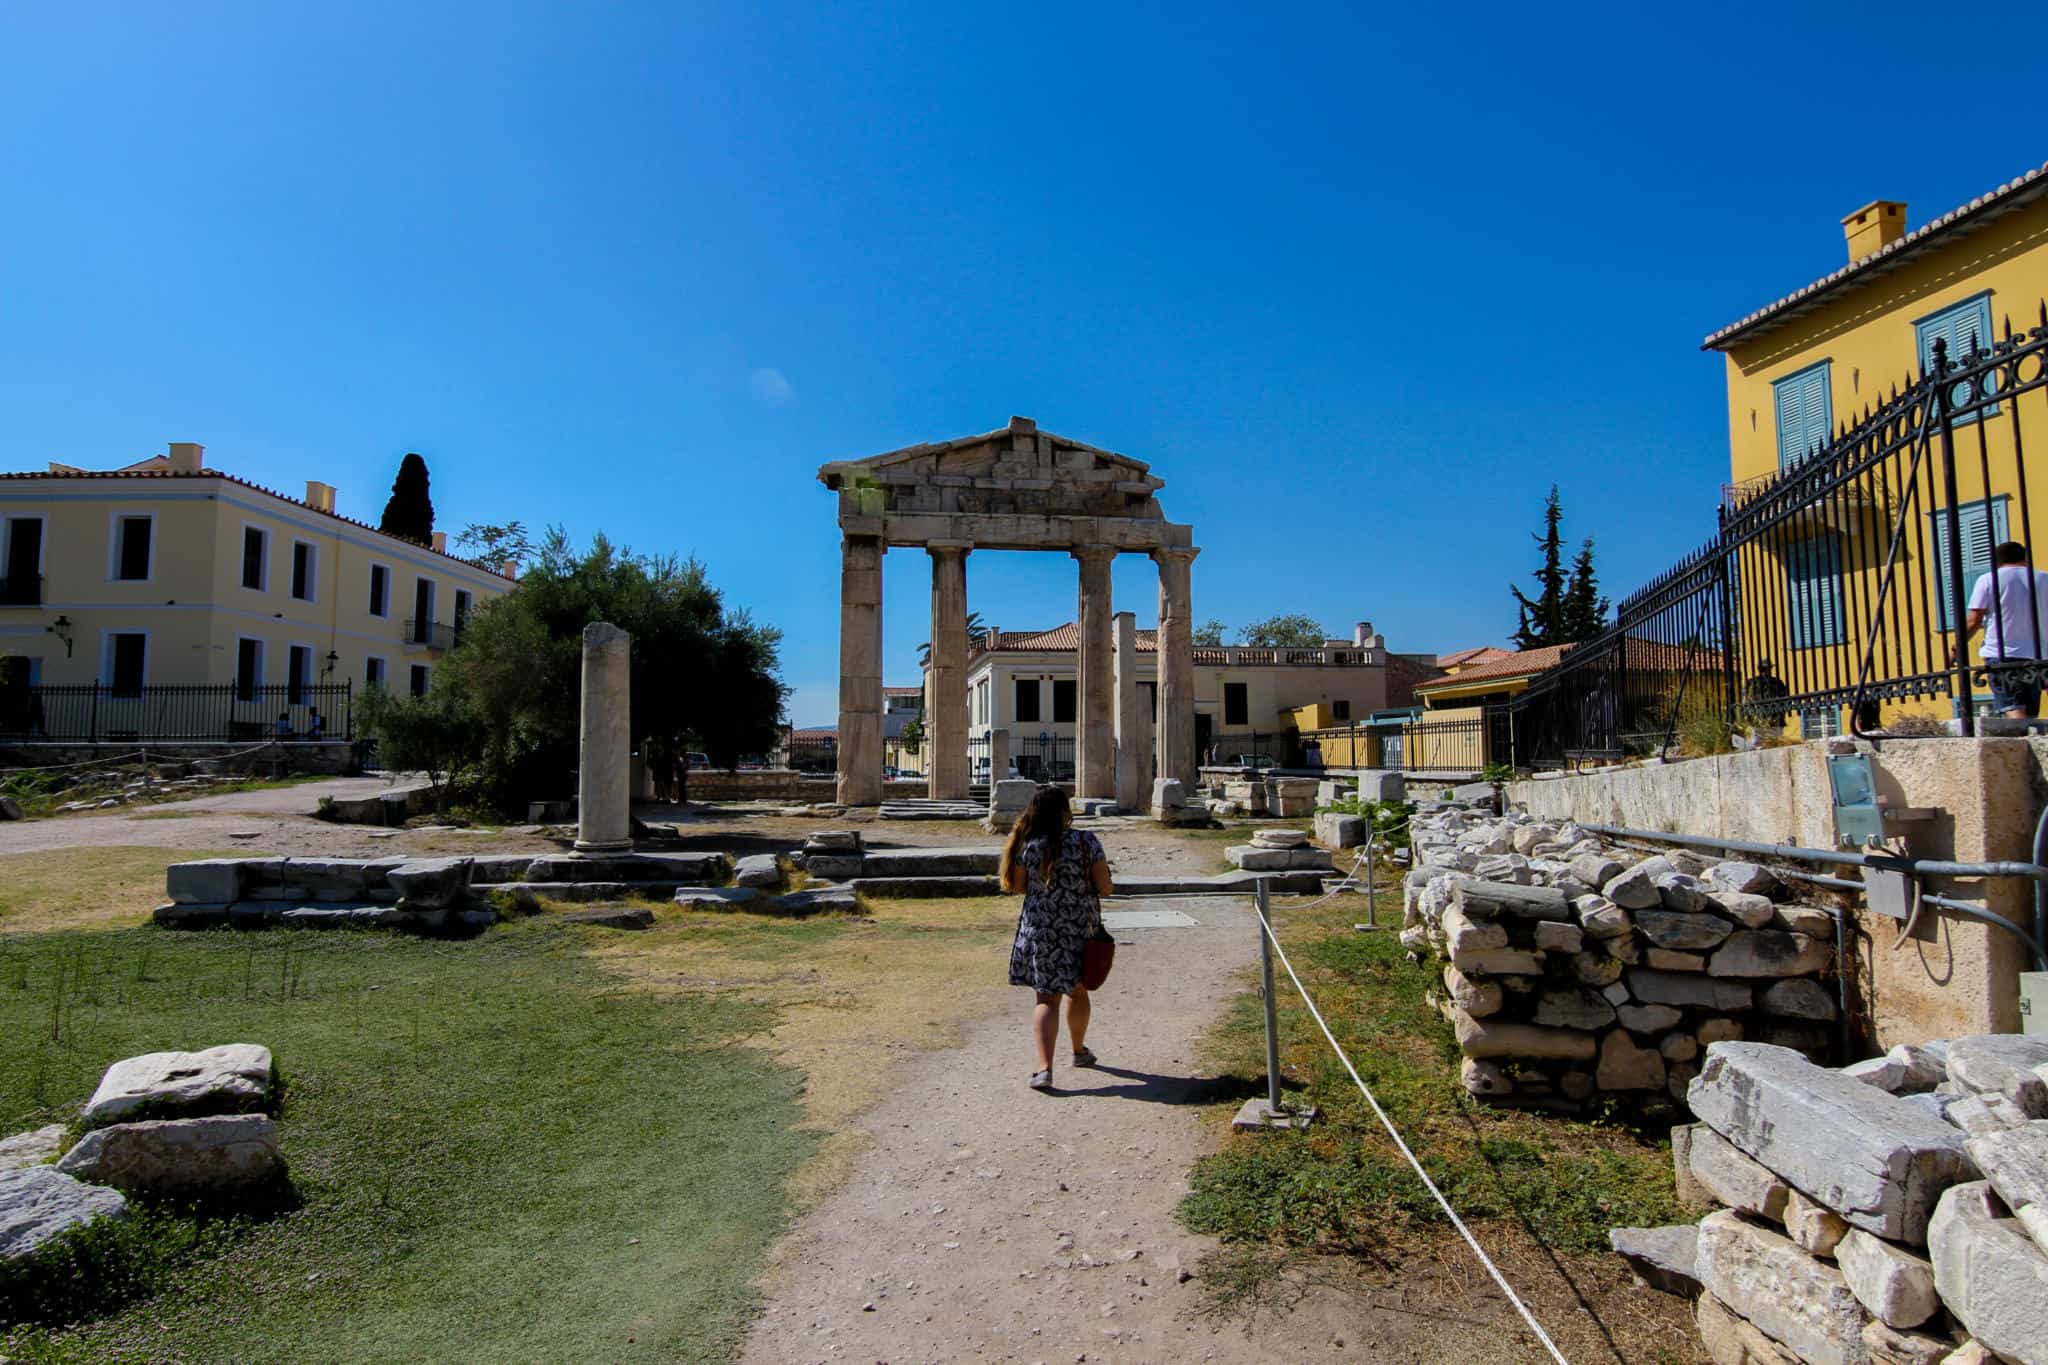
(2005, 603)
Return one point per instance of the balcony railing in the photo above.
(432, 634)
(23, 590)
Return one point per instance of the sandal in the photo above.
(1041, 1080)
(1084, 1058)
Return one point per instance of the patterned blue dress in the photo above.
(1059, 914)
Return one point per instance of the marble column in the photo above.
(946, 724)
(1176, 740)
(1133, 726)
(860, 671)
(604, 775)
(1095, 692)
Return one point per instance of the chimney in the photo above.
(186, 457)
(319, 496)
(1361, 633)
(1874, 227)
(509, 569)
(440, 542)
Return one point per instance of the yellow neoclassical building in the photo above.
(1816, 361)
(168, 574)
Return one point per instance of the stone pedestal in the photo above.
(946, 725)
(604, 809)
(1095, 692)
(1176, 738)
(860, 671)
(1133, 725)
(998, 756)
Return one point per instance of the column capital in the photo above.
(1167, 554)
(1090, 553)
(935, 548)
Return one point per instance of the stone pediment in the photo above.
(1016, 487)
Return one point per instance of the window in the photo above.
(1813, 587)
(126, 657)
(1820, 722)
(1982, 529)
(1341, 708)
(1027, 699)
(1237, 709)
(255, 558)
(299, 672)
(1966, 327)
(462, 601)
(131, 548)
(1805, 415)
(248, 668)
(380, 590)
(419, 680)
(1062, 701)
(303, 562)
(373, 672)
(423, 611)
(21, 562)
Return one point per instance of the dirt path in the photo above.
(989, 1222)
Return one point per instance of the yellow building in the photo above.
(169, 574)
(1802, 369)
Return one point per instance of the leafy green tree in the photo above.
(975, 630)
(1283, 632)
(1209, 635)
(1585, 610)
(436, 734)
(1540, 620)
(410, 511)
(496, 544)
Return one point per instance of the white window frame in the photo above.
(262, 662)
(114, 520)
(107, 648)
(312, 570)
(262, 561)
(383, 679)
(42, 546)
(381, 609)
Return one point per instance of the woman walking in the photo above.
(1062, 874)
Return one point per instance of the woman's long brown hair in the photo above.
(1046, 815)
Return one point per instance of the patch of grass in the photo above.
(498, 1151)
(1534, 1187)
(85, 888)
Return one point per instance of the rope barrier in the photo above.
(1528, 1317)
(123, 758)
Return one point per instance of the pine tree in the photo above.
(1585, 610)
(410, 512)
(1540, 620)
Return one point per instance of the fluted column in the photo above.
(1176, 743)
(1095, 694)
(860, 671)
(604, 781)
(946, 778)
(1133, 725)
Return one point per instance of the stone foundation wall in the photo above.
(1573, 968)
(333, 757)
(783, 784)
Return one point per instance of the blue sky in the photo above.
(1360, 286)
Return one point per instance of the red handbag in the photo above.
(1097, 956)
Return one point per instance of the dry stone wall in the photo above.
(1574, 969)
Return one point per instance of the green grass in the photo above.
(498, 1151)
(1344, 1187)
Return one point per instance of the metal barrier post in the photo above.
(1264, 1115)
(1372, 894)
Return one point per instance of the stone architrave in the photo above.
(1175, 744)
(1133, 726)
(946, 727)
(604, 811)
(1095, 687)
(860, 671)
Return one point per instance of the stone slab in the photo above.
(2004, 1064)
(178, 1156)
(39, 1204)
(611, 917)
(33, 1148)
(1663, 1258)
(1990, 1275)
(1796, 1299)
(1894, 1283)
(218, 1080)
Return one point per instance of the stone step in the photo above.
(911, 888)
(931, 810)
(931, 862)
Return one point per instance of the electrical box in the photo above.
(1859, 820)
(2034, 1002)
(1889, 892)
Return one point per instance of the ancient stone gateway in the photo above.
(1018, 488)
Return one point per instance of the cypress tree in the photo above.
(410, 512)
(1540, 620)
(1585, 610)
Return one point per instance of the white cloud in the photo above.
(771, 388)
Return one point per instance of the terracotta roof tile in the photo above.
(1520, 664)
(1066, 637)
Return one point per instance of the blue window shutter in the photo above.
(1980, 534)
(1966, 327)
(1805, 413)
(1813, 585)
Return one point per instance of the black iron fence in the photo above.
(1457, 743)
(1830, 598)
(92, 712)
(1046, 758)
(806, 753)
